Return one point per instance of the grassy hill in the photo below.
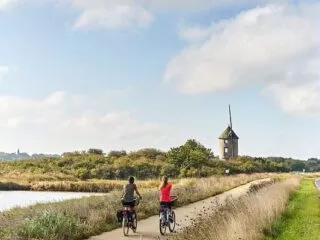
(191, 159)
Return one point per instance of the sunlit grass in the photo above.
(95, 215)
(242, 219)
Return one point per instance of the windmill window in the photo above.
(226, 141)
(226, 150)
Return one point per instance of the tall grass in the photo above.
(52, 226)
(95, 215)
(246, 218)
(102, 186)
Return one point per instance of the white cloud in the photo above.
(153, 5)
(259, 45)
(113, 14)
(72, 122)
(6, 4)
(125, 14)
(200, 5)
(193, 34)
(4, 71)
(11, 4)
(301, 100)
(298, 90)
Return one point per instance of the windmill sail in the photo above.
(231, 133)
(230, 117)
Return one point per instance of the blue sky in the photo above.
(129, 74)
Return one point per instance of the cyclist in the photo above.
(165, 191)
(128, 198)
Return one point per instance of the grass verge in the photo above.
(302, 217)
(95, 215)
(245, 218)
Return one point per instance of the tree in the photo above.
(150, 153)
(95, 151)
(191, 154)
(117, 154)
(298, 166)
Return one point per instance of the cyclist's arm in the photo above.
(170, 189)
(136, 189)
(122, 193)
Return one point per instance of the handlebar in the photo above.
(174, 197)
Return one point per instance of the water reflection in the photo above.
(11, 199)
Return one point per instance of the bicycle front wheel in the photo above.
(172, 221)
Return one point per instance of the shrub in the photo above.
(82, 173)
(52, 225)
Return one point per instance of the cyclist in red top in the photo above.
(165, 191)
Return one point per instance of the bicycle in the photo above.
(129, 218)
(167, 218)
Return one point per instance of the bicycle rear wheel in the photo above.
(172, 221)
(125, 226)
(135, 223)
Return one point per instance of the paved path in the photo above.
(318, 183)
(148, 229)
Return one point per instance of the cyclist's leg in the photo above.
(170, 208)
(133, 209)
(166, 206)
(162, 206)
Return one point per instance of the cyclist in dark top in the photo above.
(128, 198)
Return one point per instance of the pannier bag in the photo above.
(119, 216)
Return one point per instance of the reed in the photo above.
(246, 218)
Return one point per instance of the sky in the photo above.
(131, 74)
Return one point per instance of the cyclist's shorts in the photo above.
(166, 204)
(130, 204)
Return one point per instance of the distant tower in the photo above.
(228, 142)
(18, 152)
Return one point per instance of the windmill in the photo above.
(228, 141)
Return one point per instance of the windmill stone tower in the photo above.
(228, 142)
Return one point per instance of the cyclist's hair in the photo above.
(165, 180)
(131, 179)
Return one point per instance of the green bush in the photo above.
(50, 226)
(82, 173)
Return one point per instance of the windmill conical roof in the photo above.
(228, 134)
